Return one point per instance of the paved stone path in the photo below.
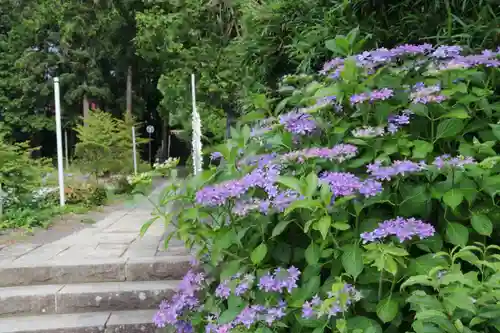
(105, 278)
(115, 236)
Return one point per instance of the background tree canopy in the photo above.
(237, 48)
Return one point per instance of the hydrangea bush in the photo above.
(367, 203)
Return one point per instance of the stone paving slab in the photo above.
(69, 323)
(94, 270)
(28, 300)
(87, 297)
(131, 322)
(138, 321)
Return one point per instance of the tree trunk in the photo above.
(129, 91)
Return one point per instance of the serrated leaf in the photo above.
(341, 225)
(352, 260)
(280, 227)
(453, 198)
(323, 225)
(312, 254)
(457, 234)
(290, 182)
(449, 128)
(258, 253)
(459, 113)
(312, 184)
(304, 204)
(229, 315)
(422, 148)
(416, 280)
(482, 224)
(387, 309)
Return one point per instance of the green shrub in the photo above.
(371, 206)
(105, 145)
(86, 193)
(19, 173)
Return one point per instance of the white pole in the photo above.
(168, 147)
(133, 150)
(66, 149)
(60, 166)
(196, 124)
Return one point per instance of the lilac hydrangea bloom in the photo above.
(340, 153)
(345, 183)
(280, 280)
(375, 95)
(243, 284)
(185, 299)
(402, 228)
(223, 291)
(217, 195)
(260, 161)
(396, 168)
(446, 51)
(332, 65)
(279, 203)
(426, 94)
(298, 122)
(338, 302)
(409, 49)
(368, 132)
(444, 161)
(215, 155)
(396, 121)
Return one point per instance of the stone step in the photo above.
(137, 321)
(87, 297)
(94, 270)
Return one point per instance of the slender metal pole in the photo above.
(66, 149)
(60, 165)
(149, 148)
(134, 150)
(196, 124)
(2, 196)
(168, 147)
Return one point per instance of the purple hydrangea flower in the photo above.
(223, 291)
(375, 95)
(396, 121)
(423, 94)
(408, 49)
(215, 155)
(345, 183)
(402, 228)
(279, 203)
(340, 153)
(184, 300)
(260, 161)
(444, 161)
(402, 168)
(446, 51)
(279, 280)
(217, 195)
(332, 65)
(338, 303)
(368, 132)
(298, 122)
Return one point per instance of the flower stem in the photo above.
(380, 281)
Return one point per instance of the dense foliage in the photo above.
(368, 203)
(238, 50)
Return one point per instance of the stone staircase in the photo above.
(104, 278)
